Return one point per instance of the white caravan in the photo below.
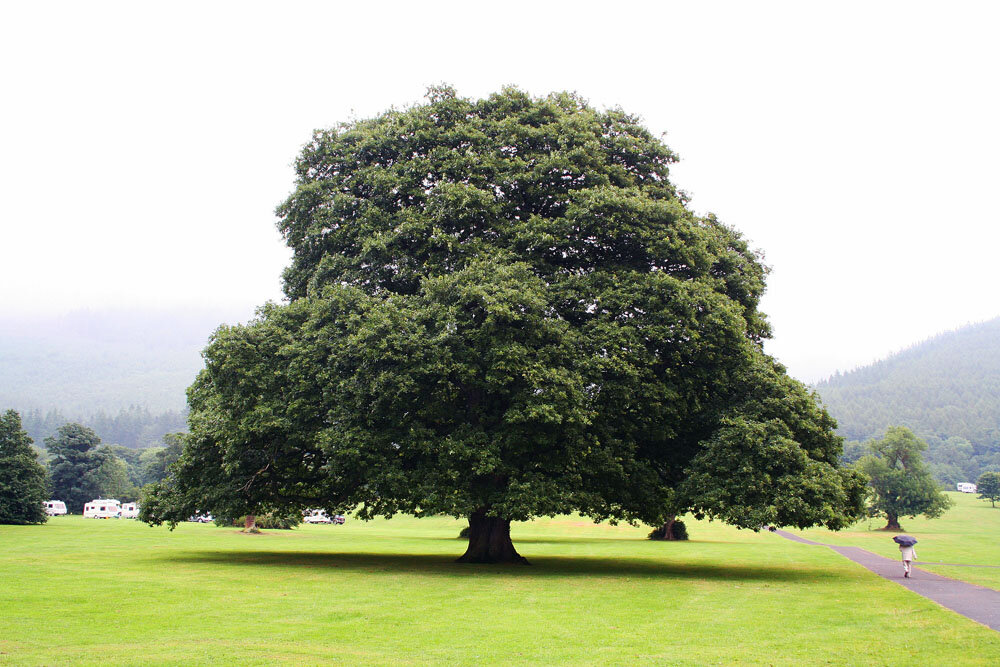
(130, 510)
(54, 507)
(966, 487)
(316, 516)
(102, 508)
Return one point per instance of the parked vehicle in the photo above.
(316, 516)
(130, 510)
(202, 518)
(339, 518)
(966, 487)
(54, 507)
(103, 508)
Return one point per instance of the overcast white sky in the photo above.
(143, 147)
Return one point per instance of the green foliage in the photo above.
(947, 390)
(23, 487)
(504, 307)
(111, 478)
(75, 464)
(989, 487)
(773, 460)
(900, 483)
(155, 462)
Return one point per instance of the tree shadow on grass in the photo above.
(541, 566)
(570, 540)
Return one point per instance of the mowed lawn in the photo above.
(82, 591)
(966, 535)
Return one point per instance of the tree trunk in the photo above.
(668, 527)
(250, 524)
(892, 522)
(489, 541)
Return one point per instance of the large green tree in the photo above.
(23, 487)
(500, 309)
(74, 469)
(899, 481)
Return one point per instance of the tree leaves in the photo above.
(503, 307)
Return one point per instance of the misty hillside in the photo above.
(946, 389)
(104, 361)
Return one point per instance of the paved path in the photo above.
(976, 602)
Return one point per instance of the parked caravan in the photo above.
(54, 507)
(316, 516)
(102, 508)
(130, 510)
(966, 487)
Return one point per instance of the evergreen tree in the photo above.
(74, 466)
(23, 486)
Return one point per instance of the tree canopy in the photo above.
(988, 487)
(500, 309)
(900, 483)
(75, 466)
(23, 487)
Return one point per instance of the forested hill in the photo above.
(88, 362)
(945, 388)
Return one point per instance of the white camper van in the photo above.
(316, 516)
(54, 507)
(966, 487)
(102, 508)
(130, 510)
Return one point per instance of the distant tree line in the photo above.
(946, 390)
(79, 468)
(132, 428)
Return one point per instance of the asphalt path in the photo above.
(976, 602)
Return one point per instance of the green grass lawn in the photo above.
(83, 591)
(967, 534)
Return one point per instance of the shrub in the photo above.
(273, 520)
(678, 531)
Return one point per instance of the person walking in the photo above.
(909, 554)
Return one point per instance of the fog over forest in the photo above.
(91, 361)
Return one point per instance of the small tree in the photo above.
(988, 486)
(23, 487)
(900, 483)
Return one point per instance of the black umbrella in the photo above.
(905, 540)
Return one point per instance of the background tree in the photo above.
(989, 487)
(155, 461)
(23, 487)
(900, 484)
(74, 466)
(112, 478)
(501, 309)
